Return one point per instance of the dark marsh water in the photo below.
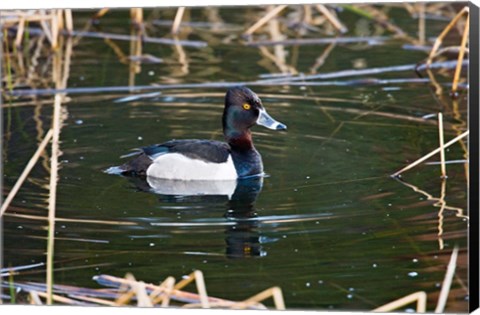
(328, 224)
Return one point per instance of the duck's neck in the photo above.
(239, 140)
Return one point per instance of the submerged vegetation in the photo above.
(39, 47)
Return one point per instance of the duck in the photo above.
(197, 159)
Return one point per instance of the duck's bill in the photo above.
(266, 120)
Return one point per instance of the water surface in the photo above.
(328, 224)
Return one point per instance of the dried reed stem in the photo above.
(442, 148)
(177, 20)
(275, 293)
(331, 18)
(201, 288)
(37, 217)
(141, 292)
(53, 193)
(58, 298)
(447, 282)
(95, 300)
(270, 15)
(34, 298)
(197, 275)
(463, 45)
(136, 14)
(163, 292)
(54, 24)
(100, 13)
(20, 30)
(430, 154)
(26, 171)
(440, 37)
(69, 21)
(419, 297)
(421, 23)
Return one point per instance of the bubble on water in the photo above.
(349, 296)
(151, 244)
(437, 285)
(205, 261)
(140, 138)
(308, 177)
(413, 274)
(409, 310)
(307, 284)
(320, 281)
(351, 289)
(79, 122)
(415, 260)
(284, 236)
(151, 72)
(374, 265)
(20, 227)
(389, 204)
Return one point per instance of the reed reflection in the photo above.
(242, 237)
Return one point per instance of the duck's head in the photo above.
(243, 110)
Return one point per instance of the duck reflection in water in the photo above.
(239, 196)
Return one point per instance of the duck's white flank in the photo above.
(178, 166)
(192, 187)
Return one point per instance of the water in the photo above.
(328, 225)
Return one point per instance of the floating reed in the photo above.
(145, 39)
(419, 297)
(420, 160)
(267, 17)
(332, 18)
(463, 45)
(442, 148)
(31, 163)
(128, 290)
(447, 281)
(177, 20)
(52, 22)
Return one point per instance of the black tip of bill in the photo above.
(281, 127)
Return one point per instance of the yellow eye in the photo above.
(246, 106)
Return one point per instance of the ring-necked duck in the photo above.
(208, 159)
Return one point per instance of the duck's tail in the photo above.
(137, 166)
(114, 170)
